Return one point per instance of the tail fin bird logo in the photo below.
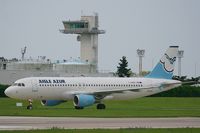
(168, 63)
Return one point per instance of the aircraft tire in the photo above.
(29, 107)
(101, 106)
(77, 107)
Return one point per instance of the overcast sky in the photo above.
(152, 25)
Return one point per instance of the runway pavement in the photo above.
(26, 123)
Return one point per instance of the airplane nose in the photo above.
(8, 92)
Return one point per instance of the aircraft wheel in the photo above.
(77, 107)
(29, 107)
(101, 106)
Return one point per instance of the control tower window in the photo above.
(78, 25)
(86, 25)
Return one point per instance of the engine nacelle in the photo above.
(51, 102)
(83, 100)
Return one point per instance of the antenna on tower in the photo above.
(23, 51)
(82, 13)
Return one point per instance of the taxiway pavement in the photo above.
(26, 123)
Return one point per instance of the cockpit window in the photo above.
(18, 84)
(15, 84)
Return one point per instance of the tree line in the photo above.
(2, 89)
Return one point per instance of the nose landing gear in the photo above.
(30, 106)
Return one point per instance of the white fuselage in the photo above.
(64, 88)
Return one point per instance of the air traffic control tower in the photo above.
(87, 31)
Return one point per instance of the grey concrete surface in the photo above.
(26, 123)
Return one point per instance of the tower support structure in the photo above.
(87, 33)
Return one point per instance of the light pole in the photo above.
(180, 55)
(140, 53)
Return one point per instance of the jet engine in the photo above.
(83, 100)
(51, 102)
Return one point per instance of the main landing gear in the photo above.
(77, 107)
(101, 106)
(30, 106)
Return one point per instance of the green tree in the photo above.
(2, 89)
(144, 73)
(122, 70)
(182, 78)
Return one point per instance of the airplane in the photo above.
(87, 91)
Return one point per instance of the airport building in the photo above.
(86, 29)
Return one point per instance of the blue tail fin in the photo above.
(165, 67)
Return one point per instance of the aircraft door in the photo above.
(34, 86)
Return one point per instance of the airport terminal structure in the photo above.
(87, 65)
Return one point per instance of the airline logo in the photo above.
(51, 81)
(168, 63)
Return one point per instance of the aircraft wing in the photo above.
(103, 93)
(120, 90)
(162, 85)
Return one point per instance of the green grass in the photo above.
(136, 130)
(142, 107)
